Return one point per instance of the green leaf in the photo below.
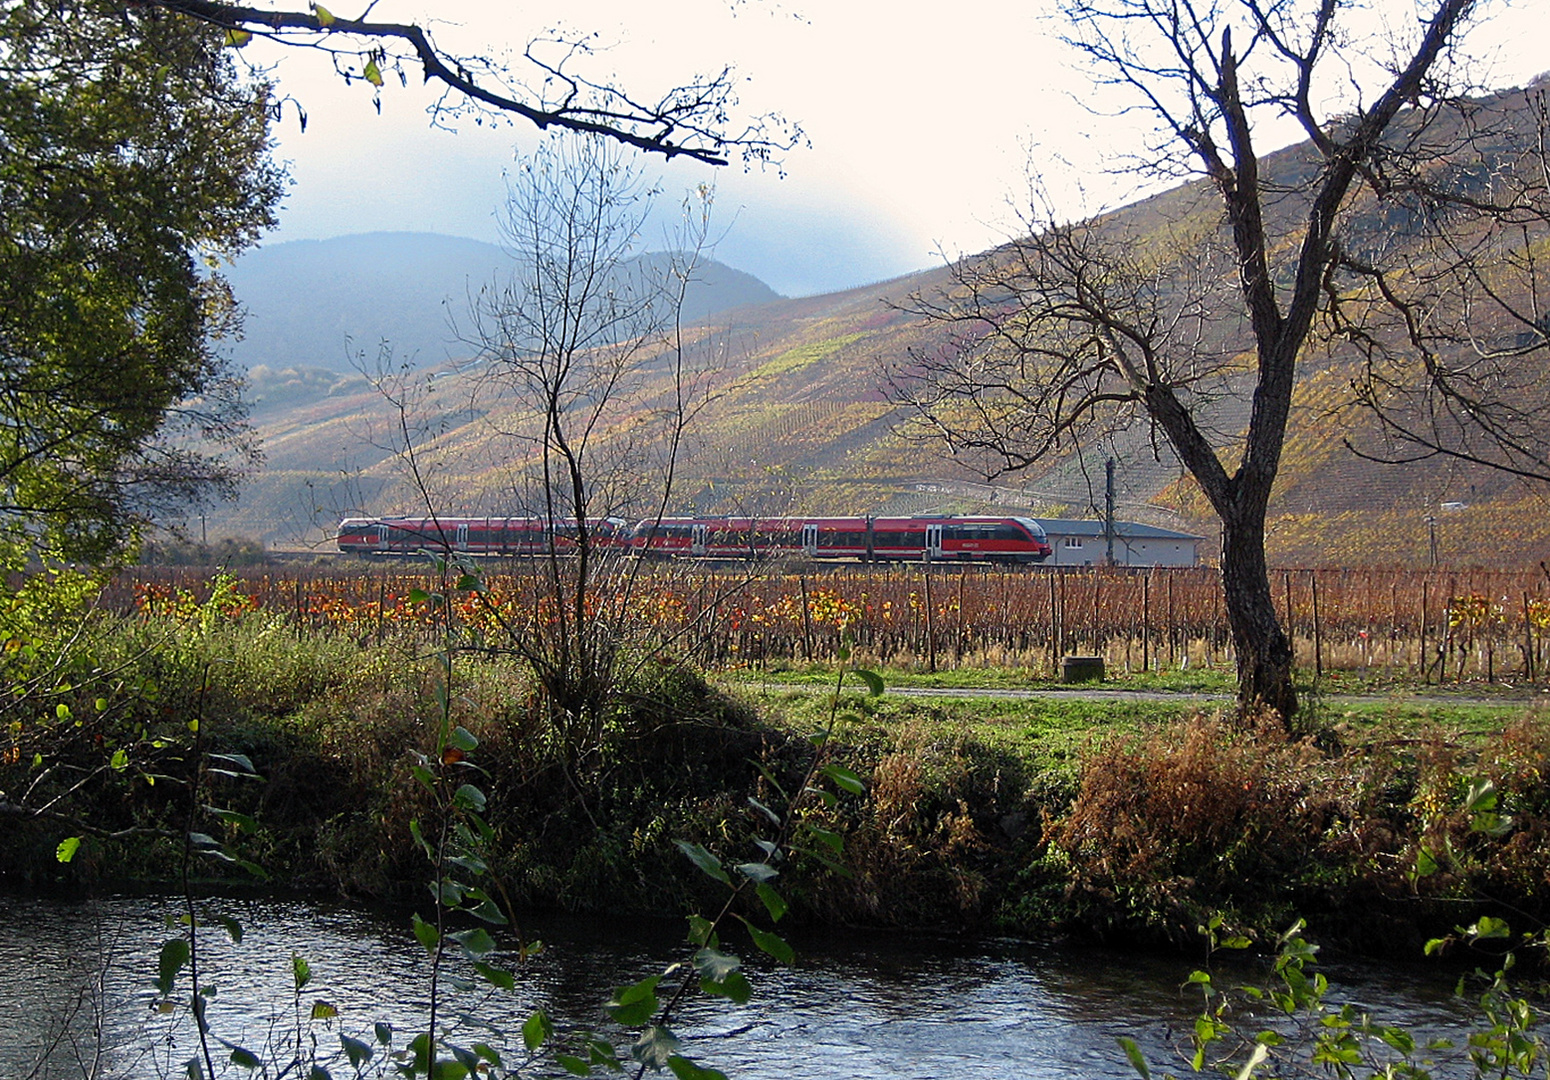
(773, 944)
(654, 1046)
(469, 797)
(1487, 927)
(463, 739)
(477, 943)
(67, 848)
(120, 760)
(244, 822)
(708, 863)
(325, 17)
(735, 987)
(1133, 1054)
(324, 1010)
(830, 839)
(773, 902)
(845, 778)
(418, 596)
(573, 1064)
(235, 38)
(702, 931)
(874, 681)
(425, 933)
(245, 1059)
(758, 872)
(536, 1031)
(684, 1069)
(357, 1051)
(499, 978)
(234, 763)
(372, 74)
(174, 954)
(765, 810)
(317, 1072)
(383, 1032)
(301, 971)
(232, 927)
(715, 965)
(632, 1005)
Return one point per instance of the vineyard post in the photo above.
(807, 624)
(925, 574)
(1528, 641)
(381, 603)
(1061, 645)
(1098, 643)
(1426, 670)
(298, 600)
(958, 646)
(1171, 627)
(1393, 621)
(1146, 621)
(1054, 660)
(1318, 639)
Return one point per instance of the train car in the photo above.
(519, 536)
(868, 539)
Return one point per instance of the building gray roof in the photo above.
(1128, 530)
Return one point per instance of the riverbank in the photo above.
(1125, 820)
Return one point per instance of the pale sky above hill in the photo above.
(923, 120)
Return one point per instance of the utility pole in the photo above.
(1108, 512)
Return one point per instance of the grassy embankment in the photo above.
(1134, 818)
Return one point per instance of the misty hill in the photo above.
(319, 303)
(795, 416)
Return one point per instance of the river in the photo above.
(77, 995)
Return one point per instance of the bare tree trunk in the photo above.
(1264, 651)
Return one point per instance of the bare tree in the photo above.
(589, 383)
(693, 120)
(1404, 228)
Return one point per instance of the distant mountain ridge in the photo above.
(320, 303)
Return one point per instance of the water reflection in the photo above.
(78, 995)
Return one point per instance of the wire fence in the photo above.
(1438, 625)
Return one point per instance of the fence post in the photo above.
(1528, 642)
(1318, 640)
(807, 624)
(1054, 642)
(1146, 621)
(925, 574)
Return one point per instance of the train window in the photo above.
(898, 540)
(1008, 531)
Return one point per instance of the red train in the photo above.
(475, 536)
(868, 539)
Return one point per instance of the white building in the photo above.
(1082, 543)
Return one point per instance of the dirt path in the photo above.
(1517, 697)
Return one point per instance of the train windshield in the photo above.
(1034, 528)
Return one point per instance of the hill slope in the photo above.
(797, 418)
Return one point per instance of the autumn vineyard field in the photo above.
(1439, 625)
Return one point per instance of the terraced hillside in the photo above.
(797, 416)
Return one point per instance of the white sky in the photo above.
(921, 118)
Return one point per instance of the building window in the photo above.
(1073, 541)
